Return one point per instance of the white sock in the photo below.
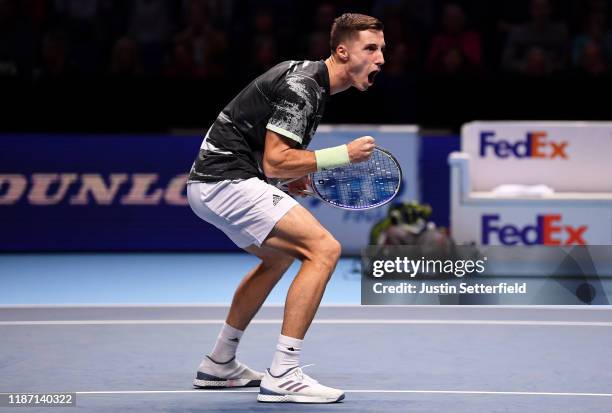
(287, 355)
(226, 344)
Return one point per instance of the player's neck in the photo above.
(339, 80)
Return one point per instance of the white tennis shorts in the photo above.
(245, 210)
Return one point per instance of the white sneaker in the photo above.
(229, 374)
(296, 387)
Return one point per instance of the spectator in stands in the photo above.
(263, 23)
(538, 47)
(418, 15)
(537, 63)
(182, 64)
(150, 26)
(397, 61)
(125, 61)
(407, 22)
(325, 14)
(395, 29)
(265, 55)
(397, 34)
(80, 22)
(289, 19)
(318, 46)
(264, 30)
(316, 40)
(592, 61)
(593, 36)
(262, 47)
(455, 50)
(207, 43)
(55, 61)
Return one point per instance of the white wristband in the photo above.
(330, 158)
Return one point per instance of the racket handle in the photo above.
(283, 187)
(288, 181)
(306, 192)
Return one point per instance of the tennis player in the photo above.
(263, 133)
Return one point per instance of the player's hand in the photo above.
(361, 149)
(296, 187)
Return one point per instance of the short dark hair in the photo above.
(348, 25)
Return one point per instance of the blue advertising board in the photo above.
(127, 192)
(99, 192)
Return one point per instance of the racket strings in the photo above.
(360, 185)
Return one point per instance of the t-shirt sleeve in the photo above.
(293, 106)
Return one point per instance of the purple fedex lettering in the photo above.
(547, 231)
(509, 234)
(535, 145)
(502, 148)
(486, 140)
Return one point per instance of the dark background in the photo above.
(160, 65)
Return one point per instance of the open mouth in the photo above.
(372, 75)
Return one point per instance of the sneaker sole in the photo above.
(294, 398)
(215, 384)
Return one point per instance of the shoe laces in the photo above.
(302, 376)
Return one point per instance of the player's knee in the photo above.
(327, 250)
(334, 249)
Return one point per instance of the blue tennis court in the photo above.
(127, 331)
(452, 155)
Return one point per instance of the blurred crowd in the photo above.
(227, 39)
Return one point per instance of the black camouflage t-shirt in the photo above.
(288, 99)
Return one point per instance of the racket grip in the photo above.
(284, 186)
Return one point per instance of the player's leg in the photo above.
(253, 212)
(221, 364)
(229, 206)
(257, 284)
(248, 298)
(299, 234)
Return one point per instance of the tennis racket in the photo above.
(358, 186)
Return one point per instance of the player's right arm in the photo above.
(293, 109)
(282, 159)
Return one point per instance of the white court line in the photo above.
(321, 321)
(476, 392)
(433, 307)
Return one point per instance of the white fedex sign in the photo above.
(567, 156)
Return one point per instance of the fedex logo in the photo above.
(535, 145)
(547, 230)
